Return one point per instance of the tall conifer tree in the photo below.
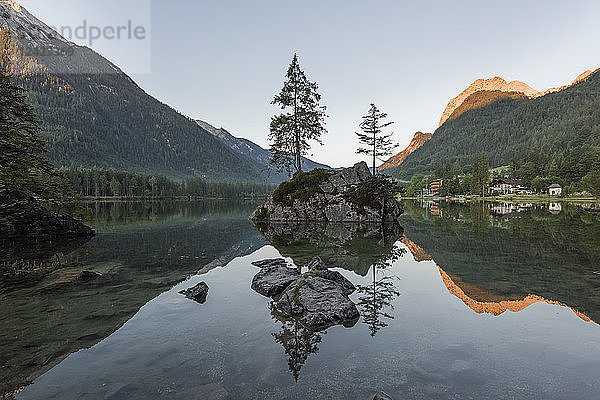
(376, 143)
(303, 120)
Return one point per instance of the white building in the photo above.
(555, 190)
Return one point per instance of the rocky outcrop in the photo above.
(318, 303)
(417, 141)
(329, 201)
(197, 293)
(274, 277)
(318, 298)
(22, 216)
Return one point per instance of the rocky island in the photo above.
(349, 195)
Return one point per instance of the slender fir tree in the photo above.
(374, 141)
(303, 120)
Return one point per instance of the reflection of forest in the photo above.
(498, 265)
(353, 247)
(50, 315)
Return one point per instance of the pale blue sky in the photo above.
(223, 61)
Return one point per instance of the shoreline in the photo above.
(508, 199)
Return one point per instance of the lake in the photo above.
(461, 301)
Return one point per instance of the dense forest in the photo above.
(107, 183)
(560, 121)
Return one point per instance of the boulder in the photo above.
(317, 264)
(382, 396)
(88, 276)
(318, 268)
(318, 303)
(274, 277)
(328, 201)
(197, 293)
(22, 216)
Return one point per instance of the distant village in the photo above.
(497, 187)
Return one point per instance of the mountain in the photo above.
(93, 114)
(417, 141)
(562, 118)
(495, 84)
(485, 91)
(254, 153)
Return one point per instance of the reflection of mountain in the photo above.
(539, 257)
(45, 322)
(417, 252)
(354, 247)
(492, 303)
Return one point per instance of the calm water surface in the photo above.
(462, 302)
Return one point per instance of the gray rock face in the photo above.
(88, 276)
(319, 303)
(330, 204)
(22, 216)
(318, 268)
(382, 396)
(317, 264)
(197, 293)
(319, 298)
(274, 277)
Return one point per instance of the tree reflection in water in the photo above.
(378, 297)
(297, 341)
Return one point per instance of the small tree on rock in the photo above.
(302, 121)
(375, 143)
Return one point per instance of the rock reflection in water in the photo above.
(353, 247)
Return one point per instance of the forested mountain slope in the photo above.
(565, 119)
(93, 114)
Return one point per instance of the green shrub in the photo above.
(372, 192)
(302, 186)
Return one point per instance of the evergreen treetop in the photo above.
(303, 120)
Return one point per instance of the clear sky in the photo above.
(223, 60)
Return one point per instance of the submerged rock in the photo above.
(382, 396)
(22, 216)
(319, 303)
(325, 196)
(274, 277)
(88, 276)
(197, 293)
